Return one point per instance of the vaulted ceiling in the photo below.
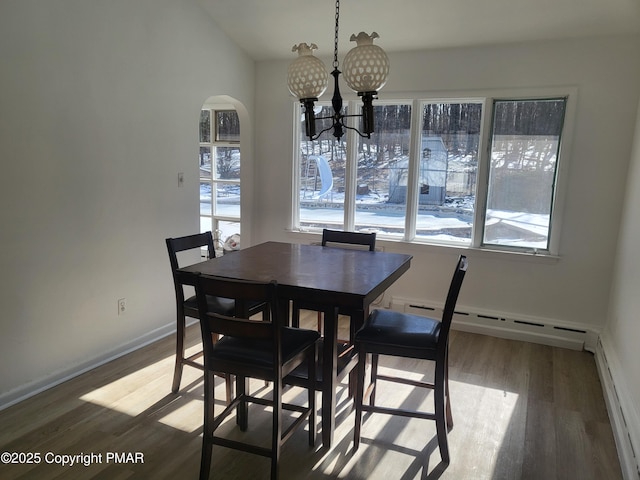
(267, 29)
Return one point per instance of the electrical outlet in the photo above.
(122, 306)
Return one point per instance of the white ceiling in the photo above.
(267, 29)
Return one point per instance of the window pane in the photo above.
(205, 126)
(205, 162)
(228, 163)
(227, 126)
(322, 176)
(205, 198)
(205, 224)
(447, 168)
(381, 176)
(227, 200)
(524, 152)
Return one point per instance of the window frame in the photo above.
(417, 100)
(214, 217)
(554, 187)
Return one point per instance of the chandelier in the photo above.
(366, 67)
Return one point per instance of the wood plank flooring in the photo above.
(521, 411)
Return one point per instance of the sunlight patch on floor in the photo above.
(176, 416)
(488, 425)
(126, 395)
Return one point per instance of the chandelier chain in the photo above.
(335, 44)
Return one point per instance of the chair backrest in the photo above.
(351, 238)
(214, 324)
(452, 298)
(181, 244)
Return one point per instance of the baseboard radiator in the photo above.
(504, 325)
(622, 413)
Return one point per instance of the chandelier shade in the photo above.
(366, 66)
(307, 76)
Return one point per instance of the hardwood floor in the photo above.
(521, 411)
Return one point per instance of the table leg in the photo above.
(356, 322)
(329, 375)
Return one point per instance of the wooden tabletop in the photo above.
(349, 277)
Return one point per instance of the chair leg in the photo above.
(362, 361)
(447, 396)
(228, 381)
(207, 434)
(374, 378)
(352, 385)
(205, 460)
(242, 410)
(439, 404)
(312, 360)
(177, 371)
(276, 438)
(295, 316)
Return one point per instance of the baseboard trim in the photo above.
(621, 418)
(508, 325)
(30, 389)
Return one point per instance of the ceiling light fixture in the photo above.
(366, 68)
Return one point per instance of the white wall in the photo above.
(572, 290)
(99, 105)
(622, 333)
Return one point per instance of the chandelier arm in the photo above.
(316, 137)
(363, 135)
(341, 123)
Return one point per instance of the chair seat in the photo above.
(387, 327)
(225, 306)
(260, 352)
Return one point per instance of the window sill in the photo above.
(391, 244)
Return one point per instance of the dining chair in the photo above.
(347, 360)
(387, 332)
(188, 307)
(336, 238)
(252, 349)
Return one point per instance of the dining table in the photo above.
(329, 277)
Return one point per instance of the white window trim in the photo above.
(486, 97)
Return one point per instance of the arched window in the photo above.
(220, 175)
